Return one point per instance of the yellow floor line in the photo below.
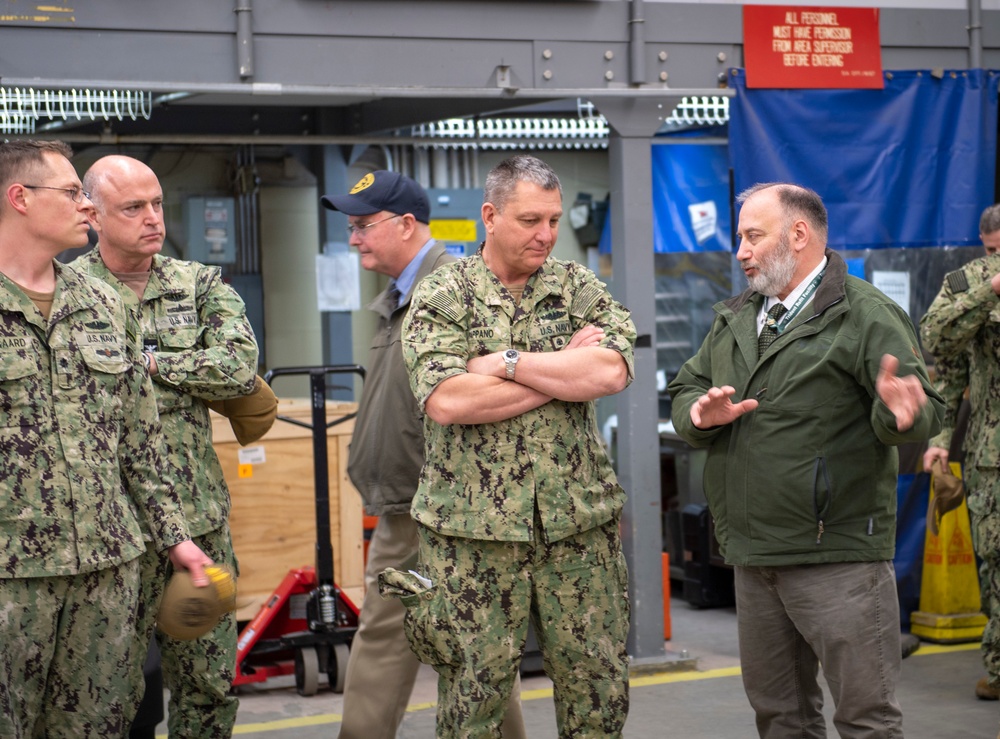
(661, 678)
(682, 677)
(288, 723)
(928, 649)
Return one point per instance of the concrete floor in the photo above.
(703, 700)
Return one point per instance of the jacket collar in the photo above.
(71, 295)
(157, 286)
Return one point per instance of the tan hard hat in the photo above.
(250, 416)
(189, 612)
(948, 495)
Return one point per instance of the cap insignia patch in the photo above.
(363, 184)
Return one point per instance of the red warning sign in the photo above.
(800, 47)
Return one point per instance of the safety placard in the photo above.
(788, 46)
(453, 229)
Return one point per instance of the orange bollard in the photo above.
(666, 595)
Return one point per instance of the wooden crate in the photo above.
(273, 519)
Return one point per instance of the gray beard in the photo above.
(774, 273)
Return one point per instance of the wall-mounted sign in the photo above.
(788, 46)
(453, 229)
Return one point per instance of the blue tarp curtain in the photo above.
(690, 198)
(911, 165)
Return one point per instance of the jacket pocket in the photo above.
(177, 338)
(428, 622)
(19, 401)
(103, 403)
(428, 629)
(106, 360)
(822, 497)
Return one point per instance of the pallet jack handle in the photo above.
(317, 392)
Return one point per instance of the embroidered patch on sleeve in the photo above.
(446, 305)
(957, 281)
(585, 299)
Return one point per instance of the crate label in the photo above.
(252, 455)
(244, 471)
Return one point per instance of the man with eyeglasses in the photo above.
(80, 475)
(388, 216)
(199, 349)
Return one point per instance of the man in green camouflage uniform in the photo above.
(962, 330)
(387, 450)
(517, 505)
(80, 477)
(199, 347)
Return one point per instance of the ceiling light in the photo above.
(21, 108)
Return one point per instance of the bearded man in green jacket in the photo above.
(804, 386)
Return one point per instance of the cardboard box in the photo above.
(273, 519)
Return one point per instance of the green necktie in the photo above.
(770, 331)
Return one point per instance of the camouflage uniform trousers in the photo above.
(984, 510)
(473, 625)
(198, 673)
(66, 645)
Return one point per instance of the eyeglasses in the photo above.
(75, 193)
(360, 228)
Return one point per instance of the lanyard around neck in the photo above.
(781, 324)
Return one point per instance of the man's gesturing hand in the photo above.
(904, 396)
(715, 408)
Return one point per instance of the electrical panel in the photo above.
(210, 226)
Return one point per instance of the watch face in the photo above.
(510, 354)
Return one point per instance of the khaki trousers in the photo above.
(843, 616)
(381, 668)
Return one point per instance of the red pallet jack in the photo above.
(306, 626)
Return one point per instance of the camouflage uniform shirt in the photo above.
(196, 327)
(484, 481)
(962, 330)
(79, 436)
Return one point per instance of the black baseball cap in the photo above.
(382, 190)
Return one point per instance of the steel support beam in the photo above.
(633, 123)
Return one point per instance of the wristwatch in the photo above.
(510, 358)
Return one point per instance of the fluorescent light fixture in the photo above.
(21, 108)
(588, 131)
